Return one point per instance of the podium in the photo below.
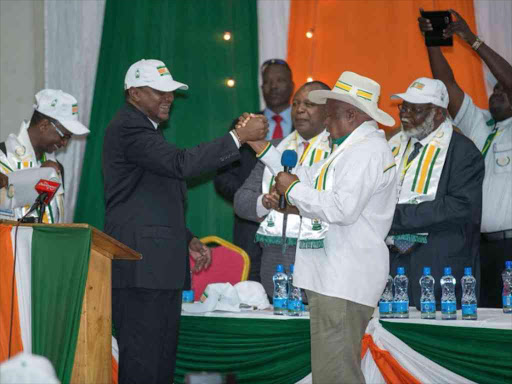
(93, 354)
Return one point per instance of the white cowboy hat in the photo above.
(356, 90)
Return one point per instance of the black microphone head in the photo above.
(289, 158)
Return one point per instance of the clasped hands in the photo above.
(271, 200)
(252, 128)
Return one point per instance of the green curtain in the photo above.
(256, 351)
(188, 37)
(60, 261)
(479, 354)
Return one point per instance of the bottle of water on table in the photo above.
(468, 284)
(386, 300)
(427, 299)
(294, 296)
(507, 287)
(280, 291)
(401, 298)
(448, 300)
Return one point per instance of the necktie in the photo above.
(414, 153)
(278, 130)
(404, 246)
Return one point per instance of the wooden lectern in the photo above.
(93, 356)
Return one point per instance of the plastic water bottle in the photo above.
(428, 299)
(401, 298)
(294, 296)
(448, 300)
(507, 287)
(386, 300)
(280, 291)
(468, 284)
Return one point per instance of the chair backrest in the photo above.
(230, 264)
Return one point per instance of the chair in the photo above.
(230, 264)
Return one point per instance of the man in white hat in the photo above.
(437, 218)
(54, 121)
(347, 204)
(145, 196)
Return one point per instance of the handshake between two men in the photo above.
(256, 124)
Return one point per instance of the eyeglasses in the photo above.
(406, 109)
(272, 62)
(62, 135)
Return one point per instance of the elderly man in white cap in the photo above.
(347, 202)
(145, 196)
(29, 156)
(441, 172)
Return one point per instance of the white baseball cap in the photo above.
(425, 90)
(153, 74)
(62, 107)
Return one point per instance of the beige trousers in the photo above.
(337, 327)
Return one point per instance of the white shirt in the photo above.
(477, 124)
(354, 264)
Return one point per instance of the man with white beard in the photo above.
(440, 176)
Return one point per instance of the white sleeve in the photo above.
(472, 121)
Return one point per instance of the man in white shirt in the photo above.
(54, 121)
(252, 200)
(491, 131)
(347, 204)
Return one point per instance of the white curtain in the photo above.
(273, 18)
(493, 20)
(72, 39)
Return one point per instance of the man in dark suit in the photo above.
(145, 195)
(277, 89)
(437, 218)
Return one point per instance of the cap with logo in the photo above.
(62, 107)
(153, 74)
(425, 90)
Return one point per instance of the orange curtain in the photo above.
(391, 370)
(6, 270)
(377, 39)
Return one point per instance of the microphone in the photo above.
(46, 190)
(288, 161)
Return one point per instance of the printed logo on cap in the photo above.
(163, 71)
(54, 103)
(74, 109)
(417, 85)
(137, 74)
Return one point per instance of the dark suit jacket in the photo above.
(145, 194)
(452, 221)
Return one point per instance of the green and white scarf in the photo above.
(418, 181)
(271, 229)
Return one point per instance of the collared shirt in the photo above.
(477, 124)
(286, 123)
(354, 264)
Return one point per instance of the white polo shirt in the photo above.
(477, 124)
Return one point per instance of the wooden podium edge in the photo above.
(101, 242)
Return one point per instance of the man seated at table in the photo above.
(253, 200)
(437, 218)
(347, 203)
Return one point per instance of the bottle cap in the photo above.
(400, 271)
(508, 264)
(467, 271)
(447, 271)
(426, 271)
(280, 268)
(292, 267)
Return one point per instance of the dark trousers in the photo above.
(146, 323)
(493, 255)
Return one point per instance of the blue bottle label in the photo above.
(385, 307)
(400, 306)
(469, 309)
(507, 301)
(448, 306)
(281, 303)
(294, 305)
(428, 306)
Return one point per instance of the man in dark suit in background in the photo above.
(145, 194)
(437, 218)
(277, 89)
